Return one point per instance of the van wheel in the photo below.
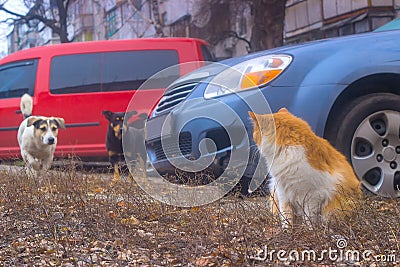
(368, 133)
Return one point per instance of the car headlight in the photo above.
(246, 75)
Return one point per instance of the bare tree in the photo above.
(52, 14)
(269, 16)
(218, 18)
(157, 23)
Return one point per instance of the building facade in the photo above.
(307, 20)
(227, 25)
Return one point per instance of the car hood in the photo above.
(310, 54)
(349, 41)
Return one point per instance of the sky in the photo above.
(13, 5)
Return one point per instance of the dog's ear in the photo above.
(129, 114)
(108, 114)
(33, 120)
(60, 122)
(143, 116)
(139, 122)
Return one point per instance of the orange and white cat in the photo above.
(310, 179)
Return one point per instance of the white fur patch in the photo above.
(296, 182)
(35, 150)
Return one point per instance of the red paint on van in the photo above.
(82, 106)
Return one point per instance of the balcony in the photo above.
(84, 22)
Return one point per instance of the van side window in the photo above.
(207, 54)
(129, 70)
(111, 71)
(18, 78)
(79, 73)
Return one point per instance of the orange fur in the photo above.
(285, 131)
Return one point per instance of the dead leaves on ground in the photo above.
(77, 219)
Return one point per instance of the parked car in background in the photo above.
(77, 81)
(346, 88)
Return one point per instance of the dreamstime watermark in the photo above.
(341, 253)
(167, 132)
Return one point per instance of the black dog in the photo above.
(134, 142)
(116, 127)
(133, 139)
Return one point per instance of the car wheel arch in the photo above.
(369, 85)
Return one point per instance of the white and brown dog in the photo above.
(37, 136)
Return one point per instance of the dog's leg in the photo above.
(113, 157)
(137, 166)
(30, 161)
(116, 172)
(46, 164)
(141, 162)
(130, 164)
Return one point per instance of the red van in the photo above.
(76, 81)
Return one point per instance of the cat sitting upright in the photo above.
(310, 179)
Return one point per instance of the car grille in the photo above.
(174, 96)
(168, 148)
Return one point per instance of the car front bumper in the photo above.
(229, 127)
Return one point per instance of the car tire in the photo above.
(367, 132)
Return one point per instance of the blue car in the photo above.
(346, 88)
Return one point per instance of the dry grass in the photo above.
(72, 218)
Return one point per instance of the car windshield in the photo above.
(393, 25)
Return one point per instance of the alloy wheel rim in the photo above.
(375, 153)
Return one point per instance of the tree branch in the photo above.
(236, 35)
(10, 12)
